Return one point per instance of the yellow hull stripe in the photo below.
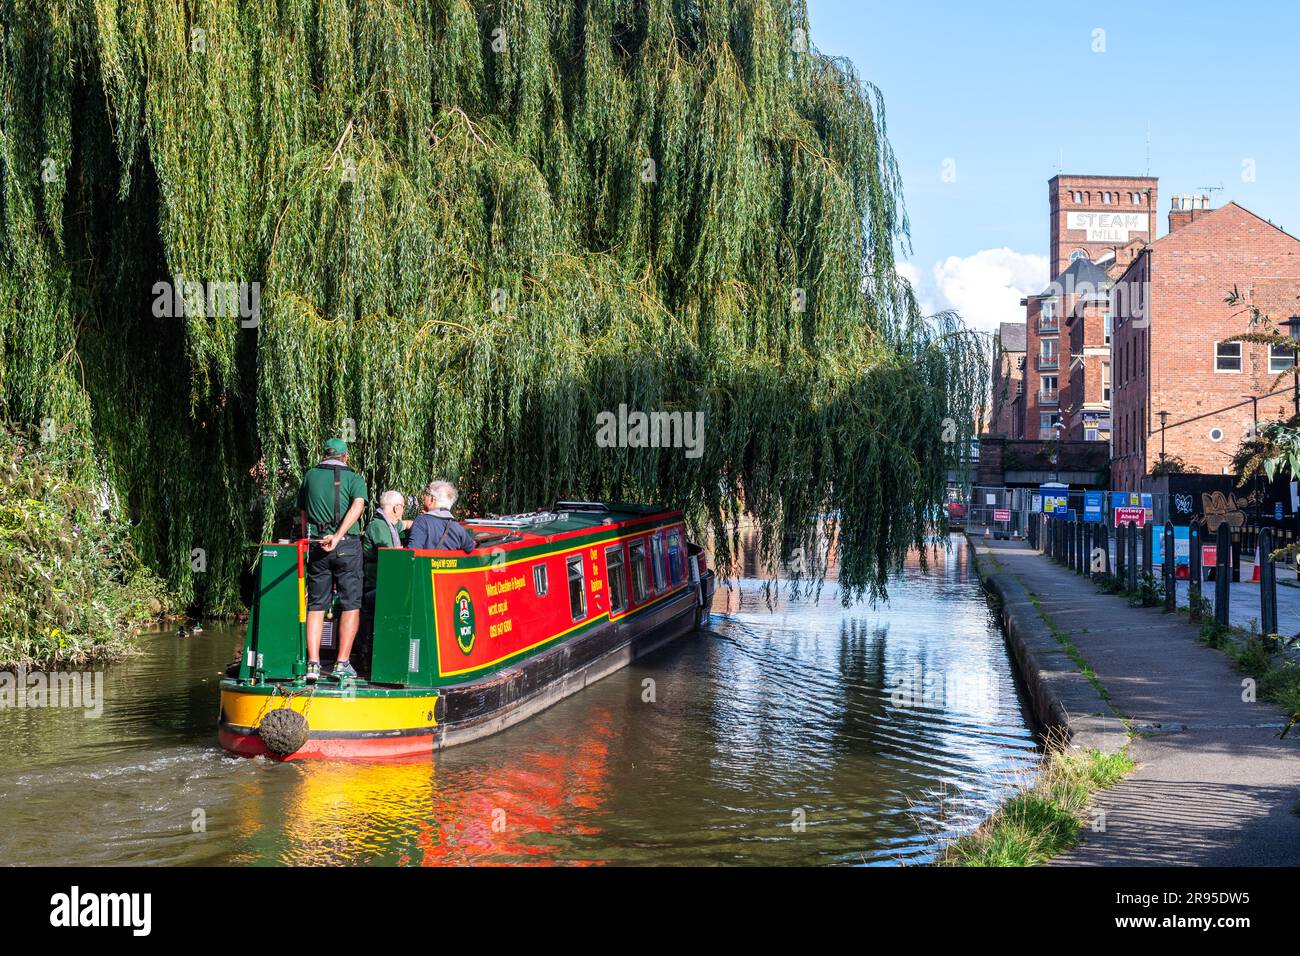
(334, 713)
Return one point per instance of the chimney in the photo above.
(1185, 209)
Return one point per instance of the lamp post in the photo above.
(1293, 330)
(1163, 416)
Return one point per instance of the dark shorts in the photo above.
(340, 567)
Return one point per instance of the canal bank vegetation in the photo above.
(71, 587)
(457, 232)
(1045, 818)
(1275, 672)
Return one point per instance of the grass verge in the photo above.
(1045, 818)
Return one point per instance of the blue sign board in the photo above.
(1092, 503)
(1182, 545)
(1130, 499)
(1056, 499)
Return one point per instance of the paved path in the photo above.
(1215, 786)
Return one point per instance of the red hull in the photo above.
(338, 748)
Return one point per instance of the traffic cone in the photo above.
(1254, 568)
(986, 533)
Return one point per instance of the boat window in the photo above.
(675, 570)
(577, 589)
(617, 580)
(640, 583)
(657, 558)
(539, 580)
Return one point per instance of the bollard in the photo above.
(1235, 548)
(1171, 583)
(1222, 572)
(1101, 547)
(1195, 574)
(1087, 549)
(1148, 558)
(1267, 586)
(1131, 559)
(1074, 546)
(1120, 570)
(1081, 551)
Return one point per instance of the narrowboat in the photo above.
(465, 645)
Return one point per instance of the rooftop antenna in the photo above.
(1206, 190)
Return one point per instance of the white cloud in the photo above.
(985, 288)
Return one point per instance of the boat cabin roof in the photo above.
(564, 517)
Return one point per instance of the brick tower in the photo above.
(1096, 215)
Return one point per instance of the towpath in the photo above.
(1215, 785)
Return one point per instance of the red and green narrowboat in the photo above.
(465, 645)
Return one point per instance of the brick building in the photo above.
(1095, 217)
(1007, 413)
(1098, 226)
(1169, 353)
(1075, 303)
(1085, 375)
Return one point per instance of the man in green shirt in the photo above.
(330, 502)
(387, 529)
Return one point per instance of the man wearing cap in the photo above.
(330, 503)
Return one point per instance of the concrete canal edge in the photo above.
(1065, 703)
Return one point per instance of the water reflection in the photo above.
(796, 732)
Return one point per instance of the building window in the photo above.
(1280, 358)
(577, 587)
(1078, 254)
(1227, 356)
(617, 579)
(1105, 381)
(1090, 434)
(1047, 422)
(1108, 325)
(1216, 434)
(1020, 387)
(1048, 390)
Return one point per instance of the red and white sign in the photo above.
(1001, 515)
(1208, 555)
(1137, 516)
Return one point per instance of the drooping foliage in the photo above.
(461, 232)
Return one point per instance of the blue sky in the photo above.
(1012, 92)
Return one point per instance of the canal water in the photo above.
(794, 732)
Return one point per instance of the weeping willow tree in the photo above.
(468, 228)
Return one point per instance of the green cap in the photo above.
(336, 446)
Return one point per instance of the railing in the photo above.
(1052, 324)
(1049, 361)
(1049, 396)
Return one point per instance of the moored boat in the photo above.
(465, 645)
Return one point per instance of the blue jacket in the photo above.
(439, 531)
